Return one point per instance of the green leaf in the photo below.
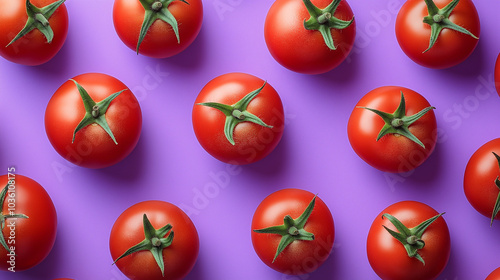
(229, 127)
(399, 226)
(302, 219)
(418, 231)
(243, 103)
(142, 246)
(249, 117)
(281, 230)
(158, 255)
(167, 17)
(149, 18)
(284, 242)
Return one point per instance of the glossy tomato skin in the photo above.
(253, 142)
(451, 47)
(497, 74)
(479, 178)
(388, 257)
(160, 41)
(494, 275)
(392, 152)
(93, 147)
(32, 49)
(128, 231)
(34, 236)
(302, 50)
(300, 257)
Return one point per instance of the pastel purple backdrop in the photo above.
(314, 154)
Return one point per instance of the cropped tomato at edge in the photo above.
(160, 40)
(35, 232)
(31, 49)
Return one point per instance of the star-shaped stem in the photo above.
(323, 21)
(291, 230)
(38, 18)
(438, 19)
(154, 241)
(411, 238)
(95, 112)
(398, 122)
(237, 113)
(496, 208)
(4, 216)
(157, 9)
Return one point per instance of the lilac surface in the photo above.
(314, 154)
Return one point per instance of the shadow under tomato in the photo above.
(192, 57)
(50, 266)
(451, 271)
(328, 269)
(472, 66)
(129, 169)
(275, 163)
(58, 66)
(197, 273)
(427, 172)
(345, 73)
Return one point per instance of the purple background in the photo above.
(314, 154)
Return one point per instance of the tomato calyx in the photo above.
(237, 113)
(438, 19)
(323, 21)
(157, 9)
(411, 238)
(496, 208)
(95, 112)
(3, 217)
(38, 18)
(155, 241)
(398, 122)
(292, 229)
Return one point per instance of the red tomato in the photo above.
(388, 256)
(392, 152)
(160, 40)
(30, 239)
(494, 275)
(497, 74)
(302, 50)
(93, 147)
(480, 176)
(128, 230)
(32, 48)
(300, 256)
(451, 48)
(252, 141)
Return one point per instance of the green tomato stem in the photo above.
(324, 18)
(156, 6)
(438, 18)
